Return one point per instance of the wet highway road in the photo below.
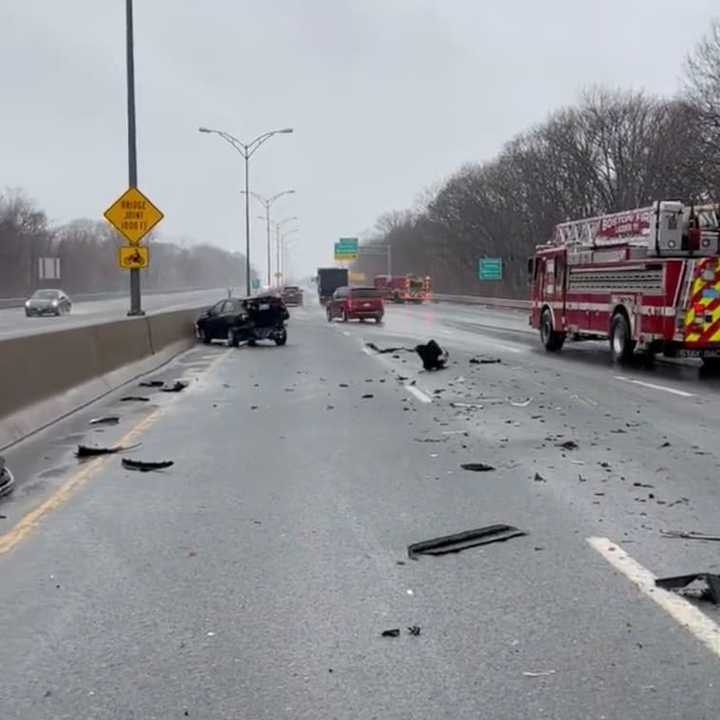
(13, 322)
(255, 577)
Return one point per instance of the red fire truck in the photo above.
(646, 279)
(404, 288)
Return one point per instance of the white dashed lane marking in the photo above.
(653, 386)
(683, 612)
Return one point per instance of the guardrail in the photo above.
(46, 376)
(509, 303)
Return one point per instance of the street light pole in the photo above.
(278, 244)
(135, 297)
(247, 150)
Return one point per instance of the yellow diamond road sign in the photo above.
(133, 257)
(133, 215)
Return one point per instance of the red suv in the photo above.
(356, 303)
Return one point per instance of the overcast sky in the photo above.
(386, 97)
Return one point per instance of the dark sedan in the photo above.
(48, 302)
(292, 295)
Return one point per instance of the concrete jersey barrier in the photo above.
(498, 302)
(46, 376)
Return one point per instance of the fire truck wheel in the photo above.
(552, 340)
(621, 344)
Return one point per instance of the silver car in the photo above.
(48, 302)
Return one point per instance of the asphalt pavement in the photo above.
(13, 322)
(254, 578)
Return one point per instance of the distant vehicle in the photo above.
(646, 279)
(329, 280)
(404, 288)
(236, 320)
(356, 303)
(48, 302)
(292, 295)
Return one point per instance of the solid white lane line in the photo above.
(683, 612)
(419, 394)
(652, 386)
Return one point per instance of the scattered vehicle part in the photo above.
(522, 404)
(461, 541)
(711, 592)
(665, 444)
(7, 479)
(568, 445)
(134, 398)
(105, 420)
(484, 361)
(177, 386)
(367, 396)
(539, 478)
(414, 630)
(143, 466)
(395, 632)
(688, 535)
(432, 355)
(477, 467)
(540, 673)
(382, 351)
(152, 383)
(643, 485)
(88, 451)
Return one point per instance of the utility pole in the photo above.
(135, 297)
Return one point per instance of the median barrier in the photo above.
(497, 302)
(45, 376)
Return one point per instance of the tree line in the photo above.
(87, 250)
(613, 150)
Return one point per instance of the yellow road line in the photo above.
(32, 519)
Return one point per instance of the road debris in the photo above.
(414, 630)
(477, 467)
(134, 398)
(484, 361)
(382, 351)
(643, 485)
(395, 632)
(568, 445)
(540, 673)
(84, 451)
(152, 383)
(143, 466)
(106, 420)
(711, 591)
(463, 540)
(665, 444)
(7, 480)
(539, 478)
(177, 386)
(522, 404)
(432, 355)
(367, 396)
(689, 535)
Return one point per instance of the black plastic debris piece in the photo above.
(539, 478)
(134, 398)
(665, 444)
(568, 445)
(643, 485)
(367, 396)
(177, 386)
(142, 466)
(461, 541)
(414, 630)
(484, 361)
(432, 355)
(477, 467)
(395, 632)
(84, 451)
(343, 385)
(152, 383)
(712, 582)
(107, 420)
(689, 535)
(619, 431)
(380, 350)
(7, 480)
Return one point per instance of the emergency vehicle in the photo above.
(404, 288)
(646, 279)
